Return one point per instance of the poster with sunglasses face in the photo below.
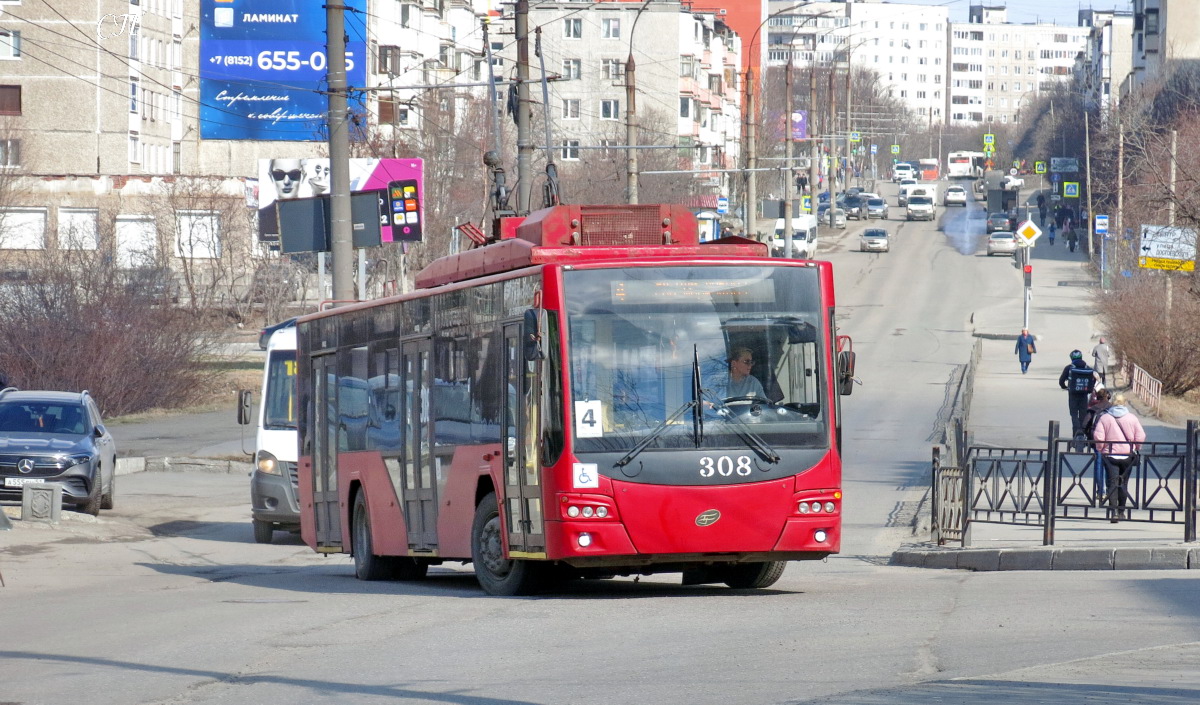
(287, 178)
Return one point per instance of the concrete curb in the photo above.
(128, 466)
(1050, 558)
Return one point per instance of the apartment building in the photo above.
(107, 106)
(688, 68)
(996, 66)
(905, 44)
(1108, 59)
(1163, 31)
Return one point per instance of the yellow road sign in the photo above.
(1028, 232)
(1174, 265)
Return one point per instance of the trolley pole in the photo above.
(341, 235)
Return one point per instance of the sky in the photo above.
(1064, 12)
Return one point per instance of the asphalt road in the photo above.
(168, 600)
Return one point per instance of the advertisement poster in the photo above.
(263, 68)
(283, 179)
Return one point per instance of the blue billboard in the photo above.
(263, 68)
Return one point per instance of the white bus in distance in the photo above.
(965, 165)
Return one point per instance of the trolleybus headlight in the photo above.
(601, 512)
(819, 535)
(803, 508)
(829, 507)
(572, 511)
(588, 511)
(585, 540)
(816, 506)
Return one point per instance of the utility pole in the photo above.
(524, 142)
(849, 125)
(788, 232)
(1120, 178)
(1087, 155)
(341, 234)
(833, 151)
(814, 145)
(1171, 223)
(631, 159)
(751, 205)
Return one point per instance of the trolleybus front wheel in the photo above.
(754, 575)
(496, 574)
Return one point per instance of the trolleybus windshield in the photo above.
(640, 336)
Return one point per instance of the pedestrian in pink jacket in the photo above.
(1118, 435)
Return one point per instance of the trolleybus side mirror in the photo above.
(243, 407)
(845, 372)
(532, 337)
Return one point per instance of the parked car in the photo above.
(854, 190)
(874, 240)
(956, 196)
(264, 336)
(998, 221)
(56, 437)
(855, 207)
(877, 208)
(155, 284)
(1001, 242)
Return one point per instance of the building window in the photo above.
(10, 44)
(197, 234)
(10, 153)
(570, 108)
(135, 149)
(610, 109)
(10, 100)
(573, 28)
(497, 47)
(610, 28)
(389, 60)
(570, 150)
(77, 229)
(176, 157)
(612, 69)
(685, 107)
(687, 66)
(571, 68)
(408, 13)
(23, 228)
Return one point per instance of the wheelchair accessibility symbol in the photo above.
(585, 476)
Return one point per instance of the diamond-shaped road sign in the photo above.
(1028, 232)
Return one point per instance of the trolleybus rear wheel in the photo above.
(754, 575)
(367, 565)
(496, 574)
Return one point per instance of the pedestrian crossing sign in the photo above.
(1071, 189)
(895, 149)
(1039, 167)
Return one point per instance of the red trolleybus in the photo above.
(595, 394)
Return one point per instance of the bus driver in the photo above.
(742, 384)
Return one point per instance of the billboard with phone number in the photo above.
(263, 68)
(399, 182)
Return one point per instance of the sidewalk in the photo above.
(1014, 409)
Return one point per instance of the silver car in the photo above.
(874, 240)
(877, 208)
(834, 218)
(1001, 242)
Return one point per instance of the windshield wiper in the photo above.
(697, 399)
(653, 435)
(752, 439)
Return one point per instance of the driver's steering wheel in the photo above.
(747, 400)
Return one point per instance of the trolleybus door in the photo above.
(324, 451)
(522, 466)
(419, 488)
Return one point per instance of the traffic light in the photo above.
(1028, 275)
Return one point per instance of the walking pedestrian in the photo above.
(1051, 233)
(1072, 239)
(1100, 403)
(1118, 435)
(1026, 347)
(1079, 380)
(1100, 358)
